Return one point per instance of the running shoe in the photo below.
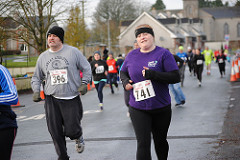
(80, 145)
(183, 102)
(199, 84)
(177, 104)
(101, 106)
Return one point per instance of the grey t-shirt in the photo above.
(61, 72)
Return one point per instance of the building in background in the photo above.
(190, 27)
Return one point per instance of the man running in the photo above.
(184, 57)
(59, 68)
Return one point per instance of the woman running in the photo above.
(220, 59)
(146, 73)
(198, 60)
(99, 72)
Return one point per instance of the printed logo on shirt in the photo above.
(152, 64)
(57, 62)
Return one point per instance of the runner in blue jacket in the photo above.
(8, 124)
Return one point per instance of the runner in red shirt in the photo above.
(112, 72)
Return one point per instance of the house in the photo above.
(15, 34)
(169, 32)
(11, 41)
(192, 26)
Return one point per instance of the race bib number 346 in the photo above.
(58, 76)
(143, 90)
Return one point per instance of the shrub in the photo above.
(11, 52)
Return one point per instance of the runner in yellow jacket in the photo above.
(208, 55)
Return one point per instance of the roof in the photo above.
(167, 20)
(151, 17)
(126, 23)
(8, 23)
(197, 20)
(223, 12)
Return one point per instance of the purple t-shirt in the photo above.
(160, 60)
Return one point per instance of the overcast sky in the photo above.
(90, 6)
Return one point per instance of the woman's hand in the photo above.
(129, 86)
(143, 71)
(106, 73)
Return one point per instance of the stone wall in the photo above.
(21, 71)
(23, 83)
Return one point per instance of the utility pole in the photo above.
(109, 38)
(83, 22)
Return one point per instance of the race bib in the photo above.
(110, 68)
(99, 69)
(58, 76)
(220, 60)
(199, 62)
(208, 53)
(143, 90)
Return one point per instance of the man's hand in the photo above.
(36, 97)
(83, 89)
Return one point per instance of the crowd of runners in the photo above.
(64, 73)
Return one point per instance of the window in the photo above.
(238, 29)
(23, 47)
(226, 29)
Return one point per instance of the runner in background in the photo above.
(194, 65)
(112, 72)
(199, 63)
(190, 63)
(126, 92)
(176, 87)
(208, 55)
(99, 72)
(220, 59)
(184, 57)
(120, 61)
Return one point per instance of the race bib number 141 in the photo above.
(143, 90)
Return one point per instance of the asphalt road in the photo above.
(193, 135)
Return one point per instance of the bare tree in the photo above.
(36, 16)
(4, 7)
(112, 12)
(115, 10)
